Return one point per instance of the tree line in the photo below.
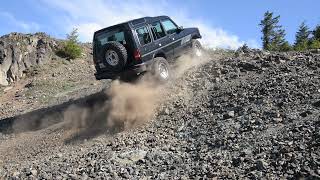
(273, 35)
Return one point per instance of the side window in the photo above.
(169, 26)
(143, 35)
(157, 30)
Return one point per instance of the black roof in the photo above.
(136, 22)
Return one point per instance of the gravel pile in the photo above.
(255, 115)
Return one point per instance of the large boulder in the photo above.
(19, 52)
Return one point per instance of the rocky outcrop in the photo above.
(18, 52)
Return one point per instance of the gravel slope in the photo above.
(255, 116)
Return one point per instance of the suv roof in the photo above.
(136, 22)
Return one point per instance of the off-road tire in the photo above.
(157, 70)
(122, 53)
(196, 45)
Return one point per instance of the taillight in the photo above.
(137, 55)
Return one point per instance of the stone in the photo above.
(261, 164)
(34, 172)
(167, 111)
(16, 174)
(3, 78)
(316, 104)
(277, 120)
(17, 55)
(228, 115)
(131, 157)
(7, 88)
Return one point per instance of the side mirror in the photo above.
(180, 28)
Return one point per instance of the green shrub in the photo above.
(284, 47)
(301, 46)
(315, 44)
(71, 49)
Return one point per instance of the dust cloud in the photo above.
(121, 106)
(129, 104)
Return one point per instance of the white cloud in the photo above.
(25, 26)
(89, 16)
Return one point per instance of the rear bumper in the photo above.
(132, 71)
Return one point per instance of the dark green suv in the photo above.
(140, 45)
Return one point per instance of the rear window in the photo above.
(107, 36)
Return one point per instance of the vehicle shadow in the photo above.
(87, 116)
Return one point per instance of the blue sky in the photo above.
(227, 23)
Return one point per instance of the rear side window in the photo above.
(169, 26)
(143, 35)
(157, 30)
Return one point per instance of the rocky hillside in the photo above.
(18, 52)
(252, 115)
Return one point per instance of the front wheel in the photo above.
(197, 50)
(160, 69)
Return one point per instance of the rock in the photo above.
(16, 174)
(166, 111)
(34, 172)
(230, 114)
(7, 88)
(316, 104)
(246, 66)
(131, 157)
(277, 120)
(305, 113)
(3, 78)
(19, 52)
(261, 164)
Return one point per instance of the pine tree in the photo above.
(316, 33)
(273, 34)
(268, 25)
(314, 42)
(302, 37)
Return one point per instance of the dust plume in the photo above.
(128, 104)
(133, 103)
(121, 106)
(187, 62)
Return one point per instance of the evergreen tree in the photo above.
(316, 33)
(302, 37)
(273, 34)
(314, 42)
(268, 25)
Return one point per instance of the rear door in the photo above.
(145, 42)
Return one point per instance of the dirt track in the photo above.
(230, 118)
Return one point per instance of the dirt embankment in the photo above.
(253, 115)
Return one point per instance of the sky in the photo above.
(223, 24)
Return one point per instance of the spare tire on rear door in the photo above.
(115, 57)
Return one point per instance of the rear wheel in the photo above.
(160, 69)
